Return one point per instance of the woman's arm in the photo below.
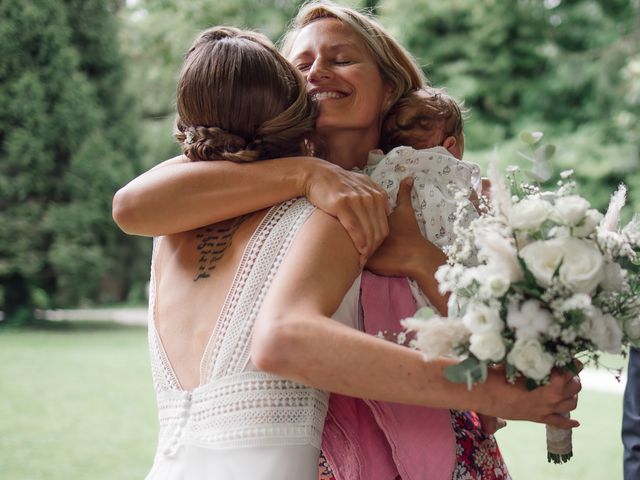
(178, 195)
(294, 337)
(406, 253)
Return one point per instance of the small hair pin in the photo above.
(189, 136)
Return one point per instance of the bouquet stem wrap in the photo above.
(559, 444)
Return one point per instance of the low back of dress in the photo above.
(237, 410)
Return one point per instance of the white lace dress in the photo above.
(240, 423)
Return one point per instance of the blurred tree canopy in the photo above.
(87, 101)
(67, 141)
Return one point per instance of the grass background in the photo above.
(76, 402)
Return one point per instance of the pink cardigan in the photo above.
(370, 440)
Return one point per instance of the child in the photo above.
(430, 122)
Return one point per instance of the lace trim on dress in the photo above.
(164, 378)
(233, 407)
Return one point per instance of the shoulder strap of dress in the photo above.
(164, 378)
(229, 351)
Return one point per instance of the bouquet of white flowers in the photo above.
(536, 279)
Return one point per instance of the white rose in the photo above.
(528, 356)
(487, 346)
(570, 210)
(529, 213)
(437, 336)
(529, 319)
(588, 226)
(481, 318)
(605, 332)
(582, 263)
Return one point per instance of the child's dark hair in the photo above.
(427, 113)
(238, 99)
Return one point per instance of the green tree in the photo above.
(62, 152)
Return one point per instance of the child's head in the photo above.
(425, 118)
(238, 99)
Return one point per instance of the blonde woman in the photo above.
(292, 335)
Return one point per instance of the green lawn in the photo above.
(76, 402)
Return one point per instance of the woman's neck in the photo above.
(349, 149)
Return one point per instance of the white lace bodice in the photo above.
(236, 406)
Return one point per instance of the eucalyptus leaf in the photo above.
(544, 152)
(469, 371)
(543, 170)
(534, 176)
(530, 138)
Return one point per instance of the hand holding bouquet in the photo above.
(536, 279)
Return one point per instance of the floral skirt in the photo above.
(477, 454)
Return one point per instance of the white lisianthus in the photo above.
(613, 280)
(437, 336)
(570, 210)
(605, 332)
(529, 319)
(632, 330)
(480, 318)
(493, 283)
(528, 356)
(529, 213)
(487, 346)
(582, 263)
(589, 224)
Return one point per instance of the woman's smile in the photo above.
(321, 94)
(341, 75)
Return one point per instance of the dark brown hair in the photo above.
(428, 114)
(238, 99)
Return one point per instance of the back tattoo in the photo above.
(213, 242)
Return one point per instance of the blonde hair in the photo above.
(425, 115)
(396, 65)
(239, 99)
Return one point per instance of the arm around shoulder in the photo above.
(179, 195)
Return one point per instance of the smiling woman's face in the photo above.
(342, 76)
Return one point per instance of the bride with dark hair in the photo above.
(244, 347)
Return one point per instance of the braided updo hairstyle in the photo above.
(238, 99)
